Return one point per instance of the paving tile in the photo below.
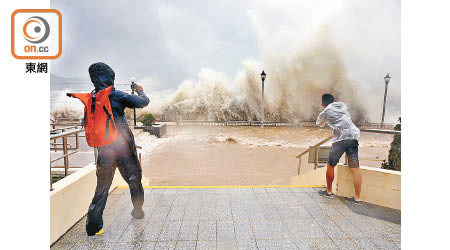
(148, 190)
(223, 190)
(207, 231)
(171, 191)
(188, 231)
(272, 190)
(331, 211)
(226, 244)
(165, 245)
(167, 199)
(145, 245)
(239, 213)
(75, 233)
(259, 190)
(240, 218)
(351, 230)
(285, 213)
(365, 244)
(306, 244)
(275, 198)
(305, 228)
(276, 244)
(158, 190)
(180, 200)
(184, 191)
(84, 246)
(246, 245)
(270, 229)
(300, 212)
(176, 213)
(222, 199)
(261, 229)
(225, 230)
(325, 244)
(160, 213)
(170, 231)
(243, 229)
(133, 232)
(345, 244)
(331, 229)
(152, 231)
(192, 213)
(246, 191)
(383, 243)
(297, 190)
(61, 246)
(115, 246)
(315, 211)
(304, 198)
(285, 190)
(208, 213)
(270, 212)
(206, 245)
(186, 245)
(312, 190)
(223, 212)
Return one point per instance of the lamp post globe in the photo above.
(387, 78)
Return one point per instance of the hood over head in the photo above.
(102, 76)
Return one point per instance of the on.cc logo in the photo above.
(36, 29)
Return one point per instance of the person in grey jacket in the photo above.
(345, 139)
(121, 153)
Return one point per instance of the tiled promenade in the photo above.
(239, 218)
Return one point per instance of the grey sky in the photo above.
(171, 41)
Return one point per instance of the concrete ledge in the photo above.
(71, 197)
(312, 178)
(379, 186)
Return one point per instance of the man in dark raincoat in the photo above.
(121, 154)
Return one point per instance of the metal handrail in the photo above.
(316, 153)
(65, 148)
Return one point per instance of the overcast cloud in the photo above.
(171, 41)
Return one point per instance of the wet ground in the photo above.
(239, 218)
(215, 155)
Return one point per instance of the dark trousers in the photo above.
(121, 154)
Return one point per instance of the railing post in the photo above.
(95, 155)
(316, 157)
(66, 157)
(76, 141)
(51, 184)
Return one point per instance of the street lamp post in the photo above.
(387, 78)
(263, 77)
(133, 87)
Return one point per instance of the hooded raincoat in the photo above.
(121, 154)
(337, 117)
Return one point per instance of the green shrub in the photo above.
(148, 120)
(394, 158)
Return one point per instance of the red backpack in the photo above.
(99, 121)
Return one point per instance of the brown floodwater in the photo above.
(215, 155)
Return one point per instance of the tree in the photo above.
(394, 158)
(148, 120)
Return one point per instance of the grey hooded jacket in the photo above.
(336, 116)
